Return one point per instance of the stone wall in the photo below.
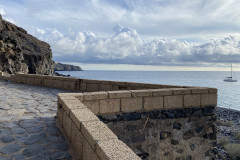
(90, 138)
(173, 123)
(178, 134)
(155, 121)
(83, 85)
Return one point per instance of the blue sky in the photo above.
(153, 33)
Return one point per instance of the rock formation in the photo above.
(66, 67)
(21, 52)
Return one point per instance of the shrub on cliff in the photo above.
(233, 150)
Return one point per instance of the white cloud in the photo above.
(150, 18)
(125, 46)
(82, 29)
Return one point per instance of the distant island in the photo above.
(66, 67)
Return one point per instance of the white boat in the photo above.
(230, 79)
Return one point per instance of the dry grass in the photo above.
(224, 123)
(237, 135)
(223, 141)
(233, 150)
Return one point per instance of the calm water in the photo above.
(228, 92)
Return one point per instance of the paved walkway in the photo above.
(27, 123)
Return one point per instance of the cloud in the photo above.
(161, 32)
(125, 46)
(150, 18)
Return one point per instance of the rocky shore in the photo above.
(228, 135)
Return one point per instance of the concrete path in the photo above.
(28, 125)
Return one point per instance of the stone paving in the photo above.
(28, 125)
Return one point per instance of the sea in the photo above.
(228, 92)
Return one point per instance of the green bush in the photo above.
(237, 135)
(233, 150)
(223, 141)
(224, 123)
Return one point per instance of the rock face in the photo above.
(66, 67)
(21, 52)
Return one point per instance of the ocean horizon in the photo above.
(228, 92)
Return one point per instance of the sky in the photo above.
(135, 34)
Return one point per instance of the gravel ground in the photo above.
(228, 124)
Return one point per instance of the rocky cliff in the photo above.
(21, 52)
(66, 67)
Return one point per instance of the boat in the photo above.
(230, 79)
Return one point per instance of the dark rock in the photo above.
(205, 136)
(119, 117)
(212, 136)
(174, 142)
(144, 115)
(33, 150)
(11, 148)
(192, 146)
(109, 118)
(177, 125)
(187, 135)
(198, 129)
(21, 52)
(180, 113)
(166, 153)
(189, 157)
(197, 113)
(135, 116)
(215, 151)
(127, 117)
(169, 115)
(142, 154)
(208, 111)
(66, 67)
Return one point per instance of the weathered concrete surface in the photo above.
(27, 124)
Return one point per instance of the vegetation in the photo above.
(224, 141)
(237, 136)
(233, 150)
(224, 123)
